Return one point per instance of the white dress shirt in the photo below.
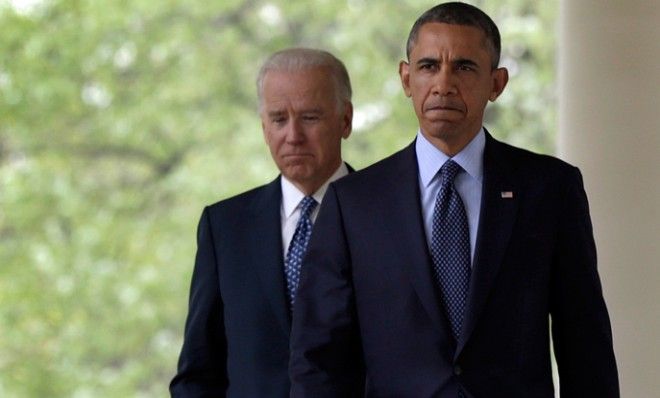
(290, 209)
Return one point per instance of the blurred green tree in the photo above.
(120, 120)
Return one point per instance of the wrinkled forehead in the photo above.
(466, 36)
(308, 88)
(435, 36)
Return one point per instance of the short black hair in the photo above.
(457, 13)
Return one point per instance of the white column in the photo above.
(609, 122)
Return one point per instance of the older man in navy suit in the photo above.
(435, 272)
(250, 246)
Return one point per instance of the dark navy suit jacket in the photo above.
(368, 307)
(236, 341)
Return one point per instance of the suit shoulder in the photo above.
(532, 162)
(235, 204)
(373, 174)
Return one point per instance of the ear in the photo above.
(347, 120)
(263, 129)
(404, 73)
(500, 79)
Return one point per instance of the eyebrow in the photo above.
(312, 110)
(456, 62)
(275, 113)
(427, 60)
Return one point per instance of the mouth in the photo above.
(296, 157)
(443, 108)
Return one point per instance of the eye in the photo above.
(310, 118)
(428, 67)
(466, 66)
(278, 120)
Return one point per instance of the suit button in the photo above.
(458, 370)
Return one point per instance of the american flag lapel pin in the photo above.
(506, 194)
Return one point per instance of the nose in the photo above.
(445, 82)
(295, 133)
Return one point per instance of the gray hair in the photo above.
(456, 13)
(296, 59)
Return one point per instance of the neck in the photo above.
(450, 144)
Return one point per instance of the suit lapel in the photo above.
(407, 217)
(499, 204)
(266, 253)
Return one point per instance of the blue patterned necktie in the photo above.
(297, 247)
(450, 247)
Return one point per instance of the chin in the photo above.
(298, 173)
(442, 130)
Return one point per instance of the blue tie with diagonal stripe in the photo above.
(297, 248)
(450, 247)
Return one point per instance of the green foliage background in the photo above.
(120, 120)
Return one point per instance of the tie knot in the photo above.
(448, 171)
(307, 205)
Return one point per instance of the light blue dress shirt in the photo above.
(468, 182)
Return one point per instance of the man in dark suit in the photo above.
(250, 246)
(435, 272)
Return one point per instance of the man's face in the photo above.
(303, 125)
(450, 80)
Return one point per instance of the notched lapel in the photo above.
(406, 200)
(500, 197)
(266, 255)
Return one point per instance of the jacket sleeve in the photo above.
(581, 330)
(202, 364)
(326, 355)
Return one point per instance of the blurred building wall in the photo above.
(609, 126)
